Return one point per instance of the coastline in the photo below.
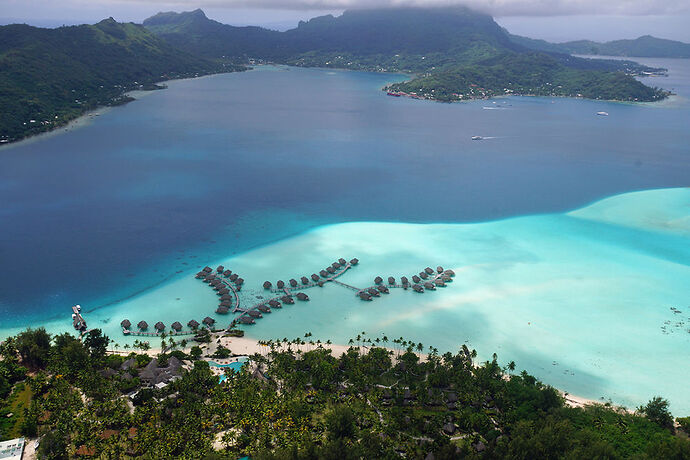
(244, 347)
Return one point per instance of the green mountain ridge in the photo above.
(645, 46)
(51, 76)
(451, 50)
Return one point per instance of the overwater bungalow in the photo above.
(200, 275)
(320, 283)
(159, 326)
(439, 269)
(193, 324)
(263, 309)
(126, 324)
(439, 282)
(226, 297)
(287, 299)
(364, 296)
(429, 270)
(324, 273)
(220, 269)
(274, 303)
(416, 279)
(267, 285)
(280, 284)
(223, 291)
(209, 321)
(239, 281)
(446, 278)
(207, 269)
(255, 314)
(378, 280)
(374, 292)
(226, 303)
(330, 270)
(293, 282)
(429, 285)
(404, 280)
(176, 326)
(449, 272)
(314, 277)
(354, 261)
(342, 261)
(246, 319)
(417, 288)
(304, 280)
(227, 273)
(424, 275)
(383, 289)
(222, 309)
(391, 280)
(143, 325)
(234, 277)
(302, 296)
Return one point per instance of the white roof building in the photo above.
(12, 450)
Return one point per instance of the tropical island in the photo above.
(300, 398)
(51, 76)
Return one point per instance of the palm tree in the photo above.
(420, 347)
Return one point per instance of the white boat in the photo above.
(477, 138)
(603, 114)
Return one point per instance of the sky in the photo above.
(553, 20)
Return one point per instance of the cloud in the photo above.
(493, 7)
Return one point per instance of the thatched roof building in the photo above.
(280, 284)
(159, 326)
(439, 269)
(335, 265)
(222, 309)
(302, 296)
(274, 303)
(383, 289)
(364, 296)
(220, 269)
(143, 325)
(263, 308)
(227, 273)
(246, 319)
(227, 303)
(304, 280)
(378, 280)
(449, 272)
(208, 321)
(234, 277)
(239, 281)
(342, 261)
(423, 275)
(226, 297)
(429, 270)
(287, 299)
(207, 269)
(193, 324)
(324, 273)
(255, 314)
(330, 270)
(373, 292)
(126, 324)
(429, 285)
(177, 326)
(416, 279)
(391, 280)
(404, 280)
(201, 274)
(267, 285)
(354, 261)
(417, 288)
(293, 282)
(314, 277)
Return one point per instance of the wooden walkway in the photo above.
(126, 331)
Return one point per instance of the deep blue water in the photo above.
(217, 165)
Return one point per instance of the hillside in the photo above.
(646, 46)
(453, 45)
(50, 76)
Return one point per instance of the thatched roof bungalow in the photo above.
(314, 277)
(449, 272)
(126, 324)
(364, 296)
(342, 261)
(274, 303)
(220, 269)
(378, 280)
(143, 325)
(429, 285)
(209, 321)
(404, 280)
(324, 273)
(354, 261)
(383, 289)
(304, 280)
(267, 285)
(417, 288)
(207, 269)
(227, 273)
(176, 326)
(373, 292)
(159, 326)
(193, 324)
(439, 269)
(293, 282)
(234, 277)
(302, 296)
(239, 281)
(255, 314)
(416, 279)
(222, 309)
(246, 320)
(287, 299)
(429, 270)
(263, 309)
(330, 270)
(423, 275)
(280, 284)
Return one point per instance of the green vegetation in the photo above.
(288, 403)
(453, 51)
(51, 76)
(526, 74)
(646, 46)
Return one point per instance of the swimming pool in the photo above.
(236, 366)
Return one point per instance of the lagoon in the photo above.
(278, 171)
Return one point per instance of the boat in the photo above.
(603, 114)
(477, 138)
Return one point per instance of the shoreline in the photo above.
(245, 347)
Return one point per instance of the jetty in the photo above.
(78, 321)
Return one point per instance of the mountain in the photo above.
(645, 46)
(50, 76)
(446, 46)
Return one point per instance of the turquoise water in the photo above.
(276, 173)
(236, 366)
